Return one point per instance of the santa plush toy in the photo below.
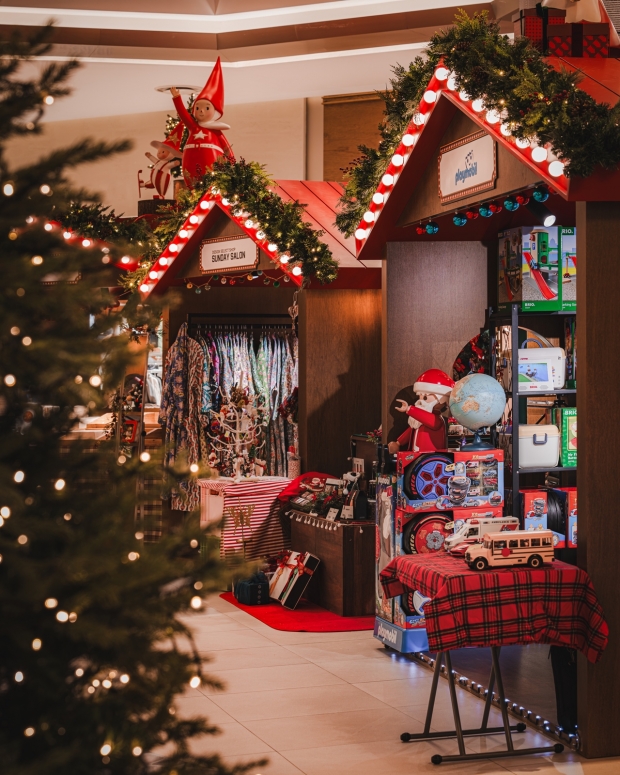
(168, 157)
(427, 430)
(206, 141)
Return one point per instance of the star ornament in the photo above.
(200, 135)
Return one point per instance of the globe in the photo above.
(477, 401)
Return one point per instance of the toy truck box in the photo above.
(385, 513)
(528, 268)
(568, 268)
(443, 481)
(535, 516)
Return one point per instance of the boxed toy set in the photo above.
(568, 267)
(552, 509)
(440, 481)
(565, 418)
(529, 268)
(534, 509)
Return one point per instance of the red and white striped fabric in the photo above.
(225, 498)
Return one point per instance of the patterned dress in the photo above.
(180, 412)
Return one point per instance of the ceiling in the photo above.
(270, 49)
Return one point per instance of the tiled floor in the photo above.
(333, 704)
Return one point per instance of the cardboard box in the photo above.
(568, 499)
(534, 509)
(528, 271)
(385, 512)
(568, 267)
(289, 582)
(565, 417)
(444, 481)
(570, 341)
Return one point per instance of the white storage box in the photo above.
(555, 355)
(539, 446)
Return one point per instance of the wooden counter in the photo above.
(344, 581)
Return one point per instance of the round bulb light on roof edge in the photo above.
(360, 234)
(451, 82)
(285, 258)
(296, 271)
(125, 260)
(492, 117)
(442, 73)
(271, 247)
(183, 234)
(193, 219)
(430, 96)
(377, 198)
(556, 168)
(173, 248)
(369, 216)
(144, 288)
(204, 205)
(249, 223)
(387, 179)
(539, 154)
(478, 105)
(505, 130)
(522, 142)
(163, 261)
(464, 96)
(153, 275)
(419, 119)
(408, 140)
(398, 160)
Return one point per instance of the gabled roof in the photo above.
(320, 199)
(600, 79)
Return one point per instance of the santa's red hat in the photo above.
(214, 89)
(433, 381)
(172, 142)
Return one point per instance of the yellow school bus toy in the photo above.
(519, 547)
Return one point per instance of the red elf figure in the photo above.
(206, 140)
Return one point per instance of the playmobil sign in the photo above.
(386, 634)
(227, 255)
(467, 166)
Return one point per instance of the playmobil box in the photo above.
(565, 417)
(409, 610)
(385, 507)
(528, 268)
(442, 481)
(568, 267)
(406, 641)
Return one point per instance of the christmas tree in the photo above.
(92, 649)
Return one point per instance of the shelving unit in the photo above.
(513, 317)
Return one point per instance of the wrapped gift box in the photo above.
(595, 40)
(528, 24)
(577, 40)
(290, 580)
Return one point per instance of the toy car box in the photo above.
(528, 270)
(565, 417)
(409, 610)
(534, 509)
(443, 481)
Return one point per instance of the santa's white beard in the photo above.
(427, 406)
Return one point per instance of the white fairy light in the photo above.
(136, 750)
(196, 602)
(5, 512)
(124, 679)
(95, 380)
(18, 476)
(105, 749)
(19, 676)
(36, 644)
(86, 243)
(9, 381)
(51, 602)
(59, 484)
(132, 556)
(195, 682)
(145, 457)
(22, 539)
(194, 468)
(62, 616)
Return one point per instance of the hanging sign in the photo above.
(228, 254)
(467, 166)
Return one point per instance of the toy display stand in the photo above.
(405, 640)
(484, 729)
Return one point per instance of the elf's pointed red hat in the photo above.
(214, 88)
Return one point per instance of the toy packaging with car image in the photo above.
(441, 481)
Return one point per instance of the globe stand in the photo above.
(477, 443)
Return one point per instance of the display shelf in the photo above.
(495, 316)
(564, 391)
(545, 470)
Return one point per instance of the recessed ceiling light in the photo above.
(180, 88)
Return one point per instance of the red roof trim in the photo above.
(442, 85)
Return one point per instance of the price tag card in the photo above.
(331, 515)
(347, 512)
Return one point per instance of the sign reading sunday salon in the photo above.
(228, 254)
(467, 166)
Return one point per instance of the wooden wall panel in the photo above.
(339, 373)
(350, 120)
(434, 300)
(598, 247)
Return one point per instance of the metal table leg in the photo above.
(460, 733)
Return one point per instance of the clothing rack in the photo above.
(238, 322)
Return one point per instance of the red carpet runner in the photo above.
(307, 617)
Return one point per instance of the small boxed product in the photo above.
(421, 533)
(534, 509)
(529, 357)
(568, 267)
(290, 580)
(565, 417)
(539, 446)
(528, 268)
(565, 520)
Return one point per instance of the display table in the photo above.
(344, 581)
(554, 604)
(248, 512)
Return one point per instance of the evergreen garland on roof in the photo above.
(513, 78)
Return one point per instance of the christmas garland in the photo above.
(511, 77)
(247, 186)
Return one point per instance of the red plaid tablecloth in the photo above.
(554, 604)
